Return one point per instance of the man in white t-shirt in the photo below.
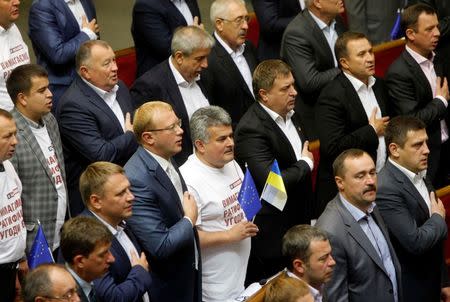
(214, 178)
(38, 160)
(12, 229)
(13, 50)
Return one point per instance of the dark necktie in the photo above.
(2, 168)
(92, 296)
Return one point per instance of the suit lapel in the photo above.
(380, 95)
(357, 108)
(356, 232)
(318, 34)
(416, 70)
(174, 13)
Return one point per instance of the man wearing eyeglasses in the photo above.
(50, 282)
(164, 213)
(94, 117)
(228, 79)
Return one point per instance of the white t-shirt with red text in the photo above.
(216, 190)
(13, 233)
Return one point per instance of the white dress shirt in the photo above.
(182, 6)
(317, 295)
(369, 102)
(193, 97)
(329, 32)
(78, 12)
(239, 60)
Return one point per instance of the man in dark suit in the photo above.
(350, 112)
(38, 160)
(57, 28)
(367, 269)
(273, 18)
(268, 131)
(94, 116)
(85, 244)
(164, 217)
(228, 78)
(308, 47)
(153, 25)
(417, 86)
(414, 216)
(106, 192)
(176, 80)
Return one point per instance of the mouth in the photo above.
(370, 190)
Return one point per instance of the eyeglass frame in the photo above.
(238, 21)
(71, 293)
(170, 127)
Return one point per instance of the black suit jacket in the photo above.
(411, 94)
(90, 132)
(273, 17)
(224, 83)
(342, 123)
(153, 25)
(418, 239)
(306, 50)
(158, 84)
(259, 141)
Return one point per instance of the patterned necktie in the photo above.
(92, 296)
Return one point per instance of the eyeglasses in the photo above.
(69, 296)
(238, 21)
(169, 128)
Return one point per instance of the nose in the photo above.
(111, 258)
(130, 195)
(114, 66)
(230, 141)
(204, 63)
(426, 150)
(49, 93)
(331, 262)
(293, 92)
(14, 140)
(244, 24)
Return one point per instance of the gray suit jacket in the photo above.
(418, 239)
(39, 196)
(359, 274)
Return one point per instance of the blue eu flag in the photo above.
(248, 197)
(40, 251)
(396, 32)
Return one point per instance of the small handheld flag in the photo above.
(40, 251)
(248, 197)
(396, 29)
(274, 191)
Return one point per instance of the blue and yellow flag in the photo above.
(274, 191)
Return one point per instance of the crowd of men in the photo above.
(136, 190)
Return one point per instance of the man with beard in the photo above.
(366, 268)
(414, 217)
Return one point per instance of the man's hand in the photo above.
(242, 230)
(197, 23)
(128, 124)
(379, 124)
(190, 207)
(442, 88)
(142, 261)
(306, 152)
(436, 205)
(91, 25)
(23, 269)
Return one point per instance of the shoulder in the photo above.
(252, 119)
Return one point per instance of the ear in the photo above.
(179, 57)
(22, 99)
(200, 146)
(410, 34)
(219, 25)
(95, 201)
(339, 182)
(148, 138)
(298, 266)
(264, 95)
(317, 3)
(84, 72)
(78, 261)
(344, 63)
(394, 150)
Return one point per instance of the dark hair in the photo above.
(19, 81)
(410, 16)
(398, 128)
(81, 235)
(340, 48)
(296, 242)
(265, 74)
(338, 164)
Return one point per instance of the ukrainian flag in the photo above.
(274, 191)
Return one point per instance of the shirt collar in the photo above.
(102, 93)
(179, 79)
(233, 54)
(322, 25)
(86, 287)
(413, 177)
(32, 123)
(358, 84)
(418, 57)
(164, 163)
(113, 230)
(70, 1)
(317, 295)
(354, 211)
(275, 116)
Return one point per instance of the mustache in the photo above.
(370, 188)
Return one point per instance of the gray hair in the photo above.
(296, 242)
(85, 51)
(187, 39)
(38, 282)
(207, 117)
(219, 9)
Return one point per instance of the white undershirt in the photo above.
(369, 102)
(182, 6)
(193, 97)
(239, 60)
(78, 12)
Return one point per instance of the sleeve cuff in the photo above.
(308, 161)
(90, 33)
(443, 100)
(189, 219)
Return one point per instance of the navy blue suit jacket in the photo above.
(56, 37)
(90, 132)
(122, 282)
(153, 24)
(166, 237)
(158, 84)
